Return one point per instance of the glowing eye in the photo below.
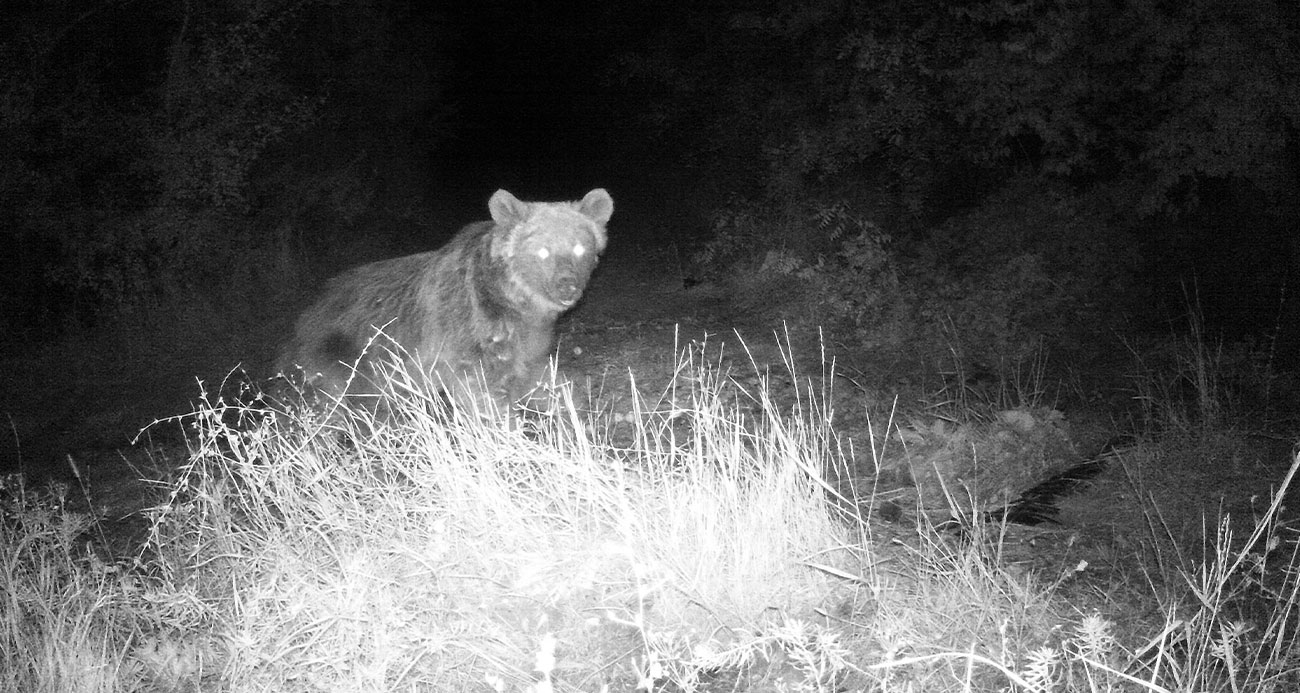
(543, 253)
(579, 251)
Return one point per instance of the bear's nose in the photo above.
(568, 292)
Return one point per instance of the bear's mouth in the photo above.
(566, 294)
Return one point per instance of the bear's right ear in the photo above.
(506, 208)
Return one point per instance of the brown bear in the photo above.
(477, 315)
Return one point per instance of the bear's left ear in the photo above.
(597, 205)
(506, 209)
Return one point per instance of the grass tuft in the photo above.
(418, 547)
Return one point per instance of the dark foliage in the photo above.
(162, 153)
(1175, 122)
(1148, 99)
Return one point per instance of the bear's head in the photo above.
(550, 248)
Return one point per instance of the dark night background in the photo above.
(175, 177)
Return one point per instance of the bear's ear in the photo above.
(597, 205)
(506, 208)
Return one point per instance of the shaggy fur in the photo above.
(479, 311)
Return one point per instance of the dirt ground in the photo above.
(72, 411)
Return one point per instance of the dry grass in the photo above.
(426, 550)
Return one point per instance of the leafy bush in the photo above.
(1149, 100)
(1028, 264)
(808, 262)
(1031, 267)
